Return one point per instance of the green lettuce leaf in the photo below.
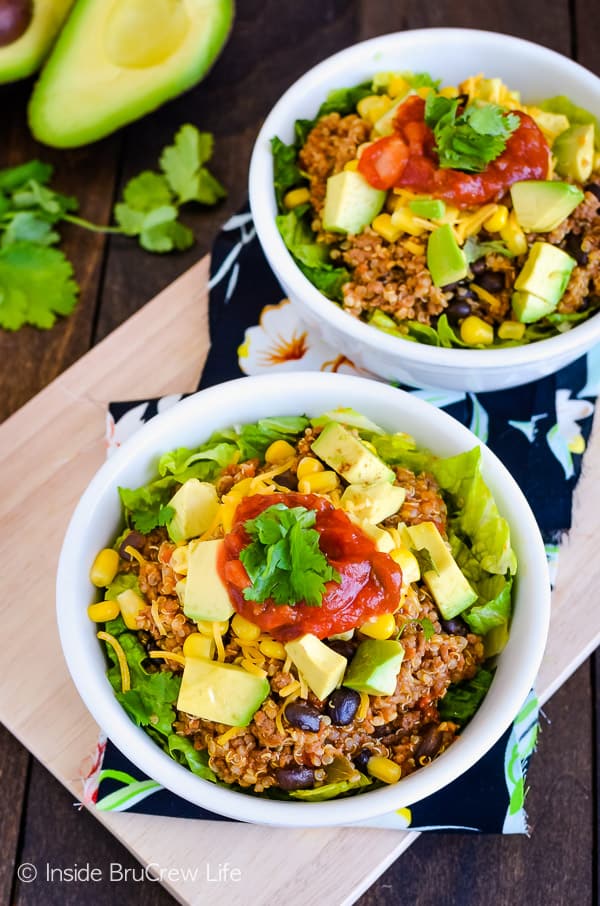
(203, 463)
(477, 515)
(121, 582)
(183, 751)
(254, 439)
(462, 700)
(401, 450)
(311, 257)
(286, 172)
(146, 507)
(344, 100)
(331, 790)
(345, 415)
(496, 593)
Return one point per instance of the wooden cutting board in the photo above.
(49, 450)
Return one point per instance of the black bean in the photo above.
(478, 266)
(345, 648)
(303, 716)
(573, 247)
(342, 706)
(456, 626)
(463, 292)
(458, 310)
(133, 539)
(295, 777)
(594, 188)
(382, 730)
(431, 741)
(362, 759)
(450, 287)
(492, 281)
(288, 479)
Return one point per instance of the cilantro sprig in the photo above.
(37, 282)
(284, 560)
(470, 137)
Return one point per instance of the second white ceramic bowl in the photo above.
(98, 518)
(452, 55)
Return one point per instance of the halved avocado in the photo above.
(117, 60)
(27, 31)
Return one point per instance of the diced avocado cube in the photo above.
(385, 124)
(346, 455)
(350, 202)
(224, 693)
(375, 667)
(540, 205)
(546, 273)
(205, 596)
(373, 502)
(322, 668)
(447, 584)
(528, 308)
(195, 504)
(574, 152)
(445, 258)
(430, 208)
(131, 605)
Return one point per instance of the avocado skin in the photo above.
(24, 55)
(57, 91)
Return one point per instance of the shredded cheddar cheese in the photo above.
(169, 656)
(156, 617)
(121, 659)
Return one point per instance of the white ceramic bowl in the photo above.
(451, 54)
(97, 518)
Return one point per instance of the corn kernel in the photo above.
(373, 107)
(425, 91)
(131, 606)
(383, 225)
(104, 611)
(405, 221)
(180, 559)
(271, 648)
(319, 483)
(351, 165)
(278, 452)
(511, 330)
(398, 85)
(476, 332)
(296, 197)
(513, 236)
(384, 769)
(498, 220)
(206, 626)
(381, 627)
(413, 247)
(198, 645)
(244, 629)
(408, 563)
(450, 91)
(308, 465)
(104, 568)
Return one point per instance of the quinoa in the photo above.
(330, 144)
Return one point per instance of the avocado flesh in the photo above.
(350, 202)
(540, 205)
(25, 55)
(373, 502)
(321, 666)
(205, 596)
(114, 62)
(445, 259)
(574, 152)
(375, 666)
(544, 276)
(195, 504)
(224, 693)
(385, 124)
(346, 455)
(446, 582)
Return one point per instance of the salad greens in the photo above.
(462, 700)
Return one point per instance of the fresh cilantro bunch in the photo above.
(471, 139)
(36, 279)
(284, 560)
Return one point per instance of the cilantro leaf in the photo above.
(161, 231)
(471, 139)
(182, 163)
(12, 178)
(147, 191)
(147, 507)
(424, 560)
(424, 624)
(29, 226)
(36, 285)
(474, 250)
(35, 195)
(284, 560)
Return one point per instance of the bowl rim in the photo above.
(98, 696)
(261, 186)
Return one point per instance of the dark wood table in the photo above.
(271, 45)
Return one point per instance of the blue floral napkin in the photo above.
(539, 430)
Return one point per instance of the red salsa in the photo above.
(407, 159)
(370, 580)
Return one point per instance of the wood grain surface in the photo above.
(271, 45)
